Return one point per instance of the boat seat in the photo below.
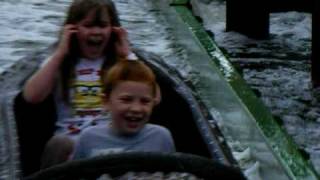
(35, 124)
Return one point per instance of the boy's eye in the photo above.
(145, 100)
(126, 99)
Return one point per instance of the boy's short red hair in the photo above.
(128, 70)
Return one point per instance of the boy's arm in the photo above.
(79, 149)
(167, 140)
(172, 147)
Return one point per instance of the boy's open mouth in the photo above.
(133, 122)
(133, 119)
(95, 41)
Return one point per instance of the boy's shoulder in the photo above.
(161, 136)
(94, 130)
(156, 129)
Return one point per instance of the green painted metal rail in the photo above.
(279, 142)
(179, 2)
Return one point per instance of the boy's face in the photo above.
(93, 34)
(130, 104)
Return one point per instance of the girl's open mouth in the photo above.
(95, 41)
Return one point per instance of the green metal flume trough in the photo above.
(280, 145)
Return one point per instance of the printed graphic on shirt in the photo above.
(87, 93)
(100, 152)
(85, 107)
(87, 98)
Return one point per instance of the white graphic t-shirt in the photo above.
(86, 106)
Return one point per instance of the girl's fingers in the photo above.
(73, 31)
(116, 29)
(121, 32)
(122, 45)
(71, 28)
(64, 44)
(68, 26)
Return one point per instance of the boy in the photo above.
(130, 93)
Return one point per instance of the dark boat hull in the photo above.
(179, 111)
(118, 164)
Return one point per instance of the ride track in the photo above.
(274, 136)
(227, 111)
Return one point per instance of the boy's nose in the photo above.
(136, 107)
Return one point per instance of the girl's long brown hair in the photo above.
(78, 10)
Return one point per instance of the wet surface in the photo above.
(28, 26)
(277, 69)
(211, 82)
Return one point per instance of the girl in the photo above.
(91, 41)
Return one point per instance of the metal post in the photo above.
(315, 56)
(249, 17)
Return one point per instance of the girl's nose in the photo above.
(96, 30)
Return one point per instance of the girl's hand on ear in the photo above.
(158, 97)
(65, 39)
(122, 45)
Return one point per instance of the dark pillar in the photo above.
(249, 17)
(290, 5)
(315, 56)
